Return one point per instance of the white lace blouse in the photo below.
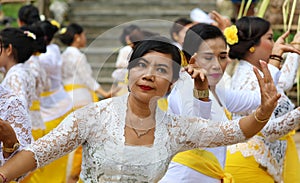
(99, 127)
(57, 101)
(14, 110)
(77, 71)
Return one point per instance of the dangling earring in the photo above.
(252, 49)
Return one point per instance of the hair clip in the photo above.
(55, 23)
(63, 30)
(30, 34)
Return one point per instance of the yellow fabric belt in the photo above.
(46, 93)
(204, 162)
(35, 106)
(71, 87)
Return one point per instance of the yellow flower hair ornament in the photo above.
(30, 34)
(63, 30)
(55, 23)
(231, 35)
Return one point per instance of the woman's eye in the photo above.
(141, 64)
(208, 58)
(162, 70)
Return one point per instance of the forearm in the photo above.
(18, 165)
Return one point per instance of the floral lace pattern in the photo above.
(13, 110)
(266, 150)
(289, 71)
(19, 79)
(99, 127)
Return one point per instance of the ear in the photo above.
(175, 36)
(9, 50)
(76, 37)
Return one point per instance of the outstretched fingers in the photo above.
(269, 94)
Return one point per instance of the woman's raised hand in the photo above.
(197, 73)
(268, 92)
(280, 47)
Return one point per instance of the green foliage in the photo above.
(11, 10)
(278, 33)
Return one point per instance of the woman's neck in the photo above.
(253, 61)
(9, 65)
(141, 109)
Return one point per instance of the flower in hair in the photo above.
(230, 34)
(30, 34)
(63, 30)
(55, 23)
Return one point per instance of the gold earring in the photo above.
(252, 49)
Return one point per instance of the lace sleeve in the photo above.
(206, 133)
(70, 133)
(85, 73)
(13, 110)
(280, 126)
(22, 88)
(289, 71)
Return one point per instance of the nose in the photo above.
(215, 64)
(149, 74)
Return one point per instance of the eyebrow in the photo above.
(160, 65)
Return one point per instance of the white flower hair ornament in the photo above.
(30, 34)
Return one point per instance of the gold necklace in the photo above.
(140, 134)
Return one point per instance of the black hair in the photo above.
(196, 35)
(48, 29)
(178, 25)
(23, 43)
(159, 44)
(67, 36)
(29, 14)
(39, 44)
(250, 30)
(127, 31)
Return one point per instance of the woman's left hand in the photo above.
(280, 47)
(197, 73)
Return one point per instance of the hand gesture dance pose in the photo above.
(128, 138)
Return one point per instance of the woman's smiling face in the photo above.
(151, 76)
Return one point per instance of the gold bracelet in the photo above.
(200, 94)
(258, 120)
(295, 43)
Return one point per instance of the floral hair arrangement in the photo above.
(55, 23)
(30, 34)
(63, 30)
(231, 35)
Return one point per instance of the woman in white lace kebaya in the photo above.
(55, 103)
(76, 71)
(267, 157)
(128, 138)
(14, 111)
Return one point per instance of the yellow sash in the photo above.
(204, 162)
(163, 104)
(35, 106)
(71, 87)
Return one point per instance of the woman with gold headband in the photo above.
(267, 157)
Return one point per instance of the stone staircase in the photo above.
(104, 21)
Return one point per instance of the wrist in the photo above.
(201, 94)
(260, 117)
(3, 178)
(276, 57)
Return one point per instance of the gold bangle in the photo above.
(258, 120)
(200, 94)
(295, 43)
(12, 149)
